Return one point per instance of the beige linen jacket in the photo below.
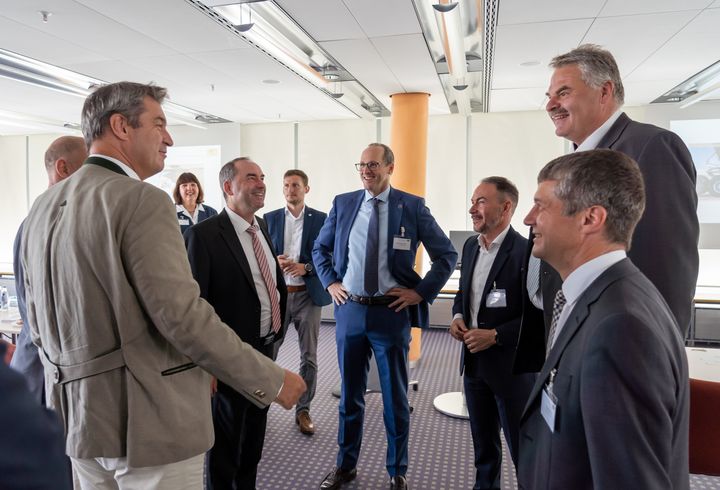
(107, 274)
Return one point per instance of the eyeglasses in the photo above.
(368, 165)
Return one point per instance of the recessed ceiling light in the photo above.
(331, 76)
(271, 81)
(530, 63)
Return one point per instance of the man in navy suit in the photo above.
(233, 262)
(293, 230)
(585, 99)
(365, 256)
(487, 312)
(610, 406)
(62, 158)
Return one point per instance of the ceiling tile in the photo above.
(623, 7)
(384, 18)
(324, 20)
(525, 11)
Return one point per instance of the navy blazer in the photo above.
(203, 214)
(504, 274)
(622, 393)
(407, 211)
(312, 223)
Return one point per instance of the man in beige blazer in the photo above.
(124, 336)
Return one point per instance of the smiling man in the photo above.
(487, 311)
(365, 258)
(117, 315)
(585, 99)
(610, 406)
(233, 261)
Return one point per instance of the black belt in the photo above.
(372, 300)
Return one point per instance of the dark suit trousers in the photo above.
(489, 408)
(360, 329)
(239, 437)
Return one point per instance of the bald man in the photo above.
(62, 158)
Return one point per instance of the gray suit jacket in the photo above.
(622, 390)
(111, 301)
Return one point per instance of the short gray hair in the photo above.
(388, 154)
(229, 171)
(505, 188)
(604, 178)
(125, 98)
(597, 66)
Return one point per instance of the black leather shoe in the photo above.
(399, 483)
(337, 477)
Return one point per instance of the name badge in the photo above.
(400, 243)
(183, 222)
(548, 407)
(496, 298)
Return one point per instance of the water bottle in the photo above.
(4, 300)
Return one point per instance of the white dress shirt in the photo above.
(241, 227)
(481, 271)
(579, 280)
(194, 216)
(292, 239)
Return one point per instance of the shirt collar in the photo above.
(289, 214)
(238, 221)
(594, 139)
(130, 172)
(382, 197)
(181, 208)
(581, 278)
(495, 243)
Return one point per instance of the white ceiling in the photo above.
(657, 43)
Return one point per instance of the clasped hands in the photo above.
(475, 339)
(290, 267)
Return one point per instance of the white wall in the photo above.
(461, 151)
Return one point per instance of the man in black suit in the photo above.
(293, 230)
(610, 406)
(585, 99)
(233, 261)
(487, 311)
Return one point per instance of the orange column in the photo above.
(408, 140)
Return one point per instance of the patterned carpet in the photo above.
(440, 448)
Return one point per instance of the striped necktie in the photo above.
(558, 306)
(267, 277)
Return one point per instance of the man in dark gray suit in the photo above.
(62, 158)
(584, 103)
(610, 406)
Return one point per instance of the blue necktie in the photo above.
(371, 249)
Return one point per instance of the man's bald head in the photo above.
(63, 157)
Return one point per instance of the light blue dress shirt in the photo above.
(354, 280)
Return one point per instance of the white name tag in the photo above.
(548, 406)
(400, 243)
(184, 222)
(496, 298)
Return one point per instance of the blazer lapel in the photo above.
(470, 259)
(395, 211)
(280, 231)
(499, 261)
(308, 220)
(227, 231)
(346, 217)
(615, 131)
(577, 317)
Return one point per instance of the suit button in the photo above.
(56, 375)
(259, 393)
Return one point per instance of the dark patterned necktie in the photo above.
(372, 249)
(558, 306)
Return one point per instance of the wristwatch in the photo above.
(497, 339)
(308, 268)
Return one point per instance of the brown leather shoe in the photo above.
(305, 422)
(399, 483)
(337, 477)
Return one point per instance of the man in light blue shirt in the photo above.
(364, 256)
